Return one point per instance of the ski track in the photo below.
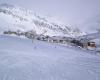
(20, 59)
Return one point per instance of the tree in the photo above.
(30, 34)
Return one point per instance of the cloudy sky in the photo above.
(72, 12)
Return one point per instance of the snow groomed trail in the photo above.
(20, 59)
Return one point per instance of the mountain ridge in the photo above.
(17, 18)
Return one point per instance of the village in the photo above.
(81, 43)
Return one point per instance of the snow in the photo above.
(22, 59)
(16, 18)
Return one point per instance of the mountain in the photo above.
(16, 18)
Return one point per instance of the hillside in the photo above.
(44, 61)
(16, 18)
(20, 59)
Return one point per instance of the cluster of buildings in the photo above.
(83, 43)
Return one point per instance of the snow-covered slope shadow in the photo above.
(20, 59)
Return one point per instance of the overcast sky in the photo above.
(69, 11)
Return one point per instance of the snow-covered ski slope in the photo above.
(20, 59)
